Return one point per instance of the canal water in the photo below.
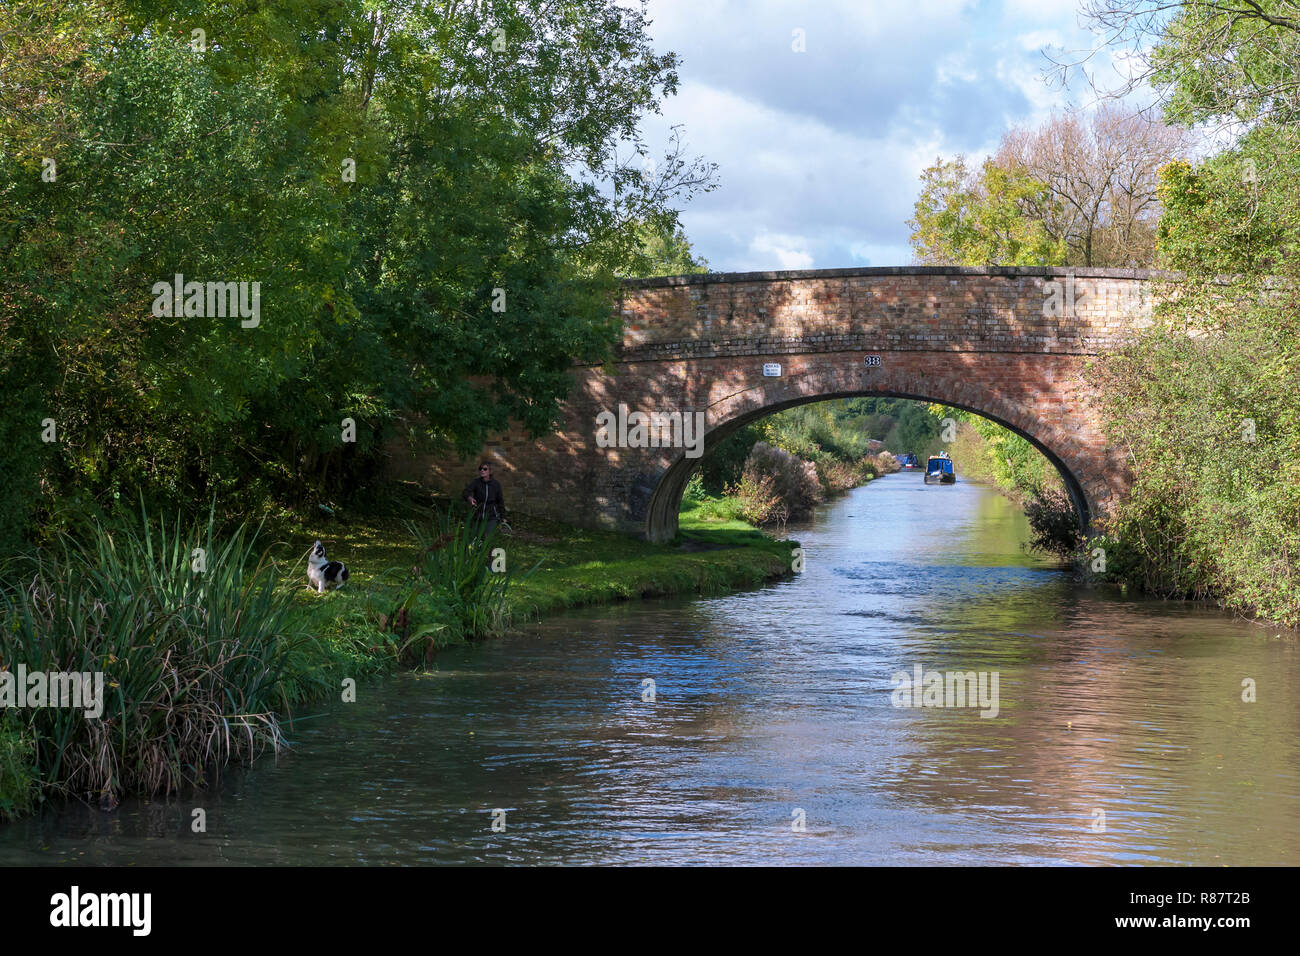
(775, 735)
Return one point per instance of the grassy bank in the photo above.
(580, 567)
(319, 639)
(553, 567)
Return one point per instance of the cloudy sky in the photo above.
(819, 152)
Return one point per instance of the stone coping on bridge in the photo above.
(884, 308)
(790, 275)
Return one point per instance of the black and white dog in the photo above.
(322, 573)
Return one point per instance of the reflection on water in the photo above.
(778, 700)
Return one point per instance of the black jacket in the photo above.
(491, 504)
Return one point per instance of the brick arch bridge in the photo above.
(1007, 343)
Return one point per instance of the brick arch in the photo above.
(772, 395)
(1010, 344)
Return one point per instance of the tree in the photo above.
(1101, 179)
(436, 200)
(1230, 62)
(1067, 193)
(1203, 404)
(1007, 231)
(943, 228)
(1234, 213)
(905, 426)
(965, 218)
(667, 252)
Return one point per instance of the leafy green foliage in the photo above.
(979, 219)
(695, 490)
(667, 252)
(905, 426)
(443, 290)
(823, 430)
(756, 499)
(1212, 427)
(833, 436)
(1225, 63)
(469, 599)
(1005, 458)
(723, 464)
(1053, 523)
(1203, 404)
(1234, 213)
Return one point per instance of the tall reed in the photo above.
(190, 633)
(454, 585)
(17, 774)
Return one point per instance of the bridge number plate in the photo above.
(873, 361)
(772, 369)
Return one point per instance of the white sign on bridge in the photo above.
(771, 369)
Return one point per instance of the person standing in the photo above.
(484, 496)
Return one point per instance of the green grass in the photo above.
(715, 519)
(573, 567)
(580, 567)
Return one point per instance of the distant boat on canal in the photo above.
(908, 462)
(939, 470)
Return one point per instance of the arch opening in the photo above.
(666, 500)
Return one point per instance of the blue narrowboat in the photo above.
(939, 470)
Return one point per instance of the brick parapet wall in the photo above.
(925, 309)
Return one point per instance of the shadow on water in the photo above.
(1111, 711)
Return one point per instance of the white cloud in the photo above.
(1036, 40)
(872, 254)
(789, 252)
(955, 68)
(812, 190)
(1065, 12)
(820, 153)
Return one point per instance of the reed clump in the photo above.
(457, 590)
(190, 632)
